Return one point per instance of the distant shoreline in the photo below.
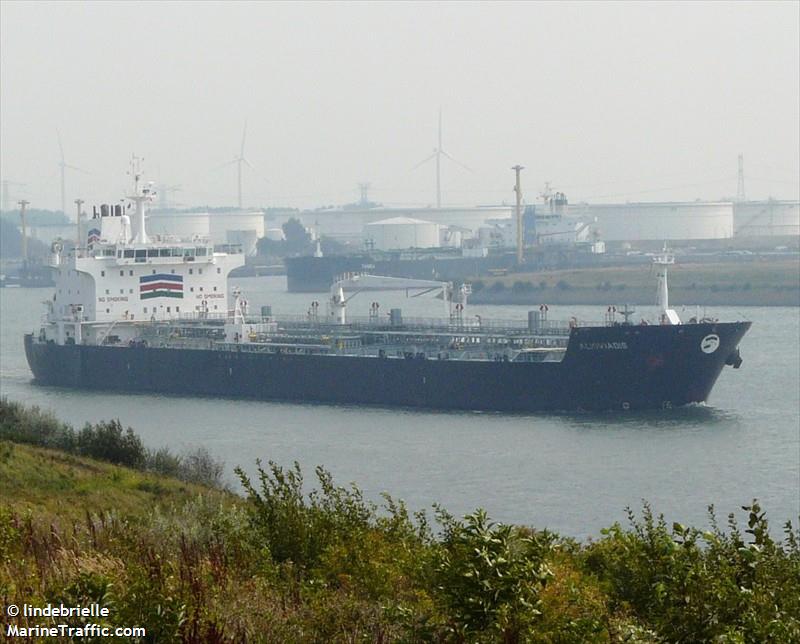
(678, 297)
(771, 283)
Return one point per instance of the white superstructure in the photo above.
(124, 278)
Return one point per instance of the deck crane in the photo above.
(455, 299)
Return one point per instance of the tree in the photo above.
(298, 238)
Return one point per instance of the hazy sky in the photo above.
(608, 101)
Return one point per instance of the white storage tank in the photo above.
(236, 220)
(659, 221)
(770, 218)
(402, 232)
(184, 225)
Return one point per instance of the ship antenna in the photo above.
(140, 196)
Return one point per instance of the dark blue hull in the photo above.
(604, 368)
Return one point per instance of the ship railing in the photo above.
(188, 317)
(466, 324)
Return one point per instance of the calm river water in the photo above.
(571, 473)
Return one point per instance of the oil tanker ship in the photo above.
(133, 313)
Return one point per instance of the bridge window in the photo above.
(164, 252)
(128, 253)
(141, 252)
(201, 252)
(176, 252)
(152, 252)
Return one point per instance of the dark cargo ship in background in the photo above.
(309, 274)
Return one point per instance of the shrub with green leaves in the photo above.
(107, 441)
(488, 578)
(693, 585)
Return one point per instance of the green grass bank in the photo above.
(296, 561)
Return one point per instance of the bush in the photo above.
(488, 578)
(522, 287)
(497, 287)
(562, 285)
(703, 586)
(297, 528)
(32, 426)
(477, 286)
(163, 461)
(108, 442)
(200, 467)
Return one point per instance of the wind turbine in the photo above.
(239, 160)
(63, 166)
(438, 153)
